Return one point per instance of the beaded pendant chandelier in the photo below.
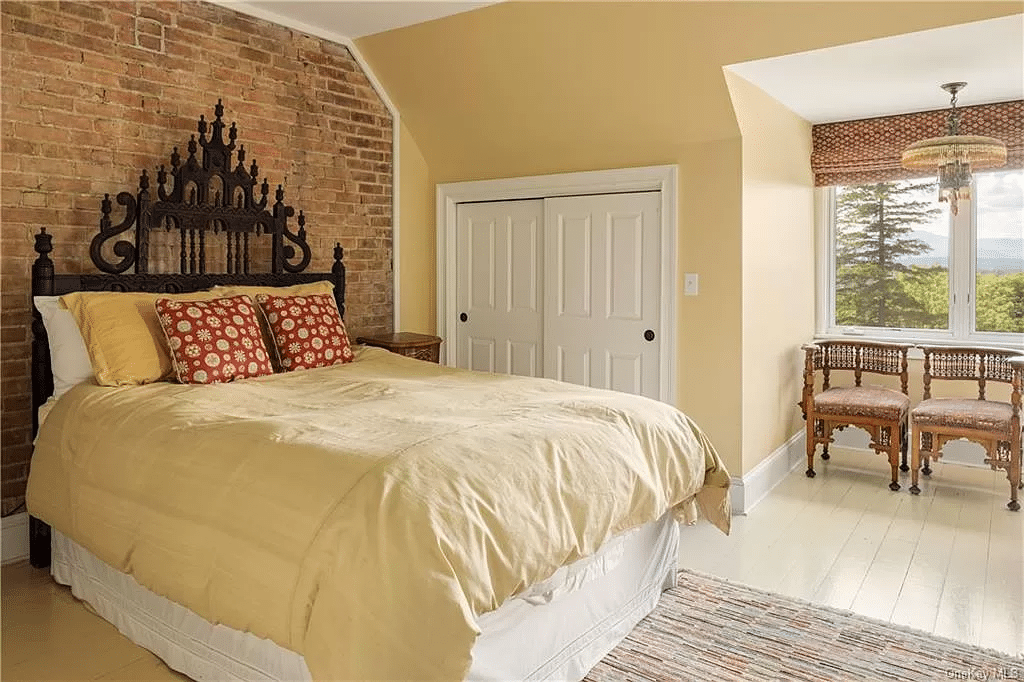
(953, 155)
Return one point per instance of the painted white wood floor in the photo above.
(949, 561)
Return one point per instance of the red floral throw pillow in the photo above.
(214, 340)
(307, 330)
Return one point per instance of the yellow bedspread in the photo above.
(362, 515)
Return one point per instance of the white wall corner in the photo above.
(747, 491)
(14, 538)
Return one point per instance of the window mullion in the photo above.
(825, 204)
(961, 271)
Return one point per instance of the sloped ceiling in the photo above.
(521, 88)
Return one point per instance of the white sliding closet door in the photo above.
(602, 294)
(566, 287)
(499, 284)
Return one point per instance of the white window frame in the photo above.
(962, 273)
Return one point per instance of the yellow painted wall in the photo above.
(527, 88)
(778, 265)
(710, 330)
(417, 269)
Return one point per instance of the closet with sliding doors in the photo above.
(565, 287)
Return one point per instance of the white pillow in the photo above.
(68, 357)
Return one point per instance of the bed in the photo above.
(378, 518)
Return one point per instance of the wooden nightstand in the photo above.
(419, 346)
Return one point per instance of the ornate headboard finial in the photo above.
(339, 253)
(216, 154)
(44, 244)
(338, 270)
(206, 199)
(42, 267)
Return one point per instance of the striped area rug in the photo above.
(710, 629)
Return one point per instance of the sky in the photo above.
(1000, 210)
(1001, 207)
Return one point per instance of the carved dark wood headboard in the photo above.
(207, 199)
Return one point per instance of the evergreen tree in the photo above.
(1000, 303)
(873, 227)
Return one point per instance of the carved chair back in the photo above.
(980, 365)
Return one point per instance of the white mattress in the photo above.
(556, 630)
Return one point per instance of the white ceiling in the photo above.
(353, 19)
(897, 75)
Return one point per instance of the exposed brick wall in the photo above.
(93, 92)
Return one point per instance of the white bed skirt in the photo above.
(557, 630)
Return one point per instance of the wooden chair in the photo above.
(994, 425)
(882, 412)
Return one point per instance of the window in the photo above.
(896, 263)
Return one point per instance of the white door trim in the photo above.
(646, 178)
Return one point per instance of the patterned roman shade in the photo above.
(868, 150)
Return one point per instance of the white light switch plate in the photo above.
(690, 284)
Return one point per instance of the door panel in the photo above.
(481, 353)
(523, 359)
(498, 286)
(625, 267)
(572, 364)
(573, 258)
(482, 277)
(602, 260)
(625, 371)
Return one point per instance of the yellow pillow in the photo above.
(324, 286)
(123, 336)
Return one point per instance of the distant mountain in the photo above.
(994, 254)
(939, 244)
(1001, 248)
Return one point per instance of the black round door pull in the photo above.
(463, 317)
(649, 335)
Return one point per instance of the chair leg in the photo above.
(894, 451)
(824, 452)
(894, 464)
(810, 446)
(927, 470)
(915, 460)
(904, 442)
(1014, 474)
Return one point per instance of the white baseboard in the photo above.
(14, 538)
(751, 489)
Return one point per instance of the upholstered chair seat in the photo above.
(966, 413)
(882, 412)
(863, 401)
